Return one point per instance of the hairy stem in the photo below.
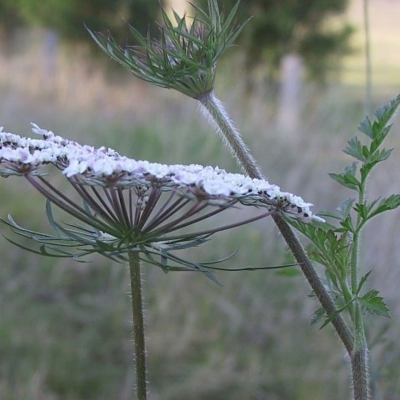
(359, 356)
(218, 117)
(215, 113)
(360, 360)
(315, 282)
(138, 326)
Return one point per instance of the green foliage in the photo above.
(336, 247)
(9, 21)
(279, 27)
(374, 304)
(69, 17)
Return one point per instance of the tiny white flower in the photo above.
(40, 131)
(75, 167)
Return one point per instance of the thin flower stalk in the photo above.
(215, 113)
(233, 139)
(138, 326)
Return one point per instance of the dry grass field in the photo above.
(384, 32)
(65, 327)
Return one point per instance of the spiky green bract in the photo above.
(185, 55)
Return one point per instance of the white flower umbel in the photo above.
(105, 167)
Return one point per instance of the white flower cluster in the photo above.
(106, 166)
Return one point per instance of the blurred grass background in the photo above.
(65, 327)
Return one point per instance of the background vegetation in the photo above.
(65, 327)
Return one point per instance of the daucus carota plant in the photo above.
(132, 211)
(337, 246)
(184, 58)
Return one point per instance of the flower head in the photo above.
(184, 58)
(106, 168)
(129, 205)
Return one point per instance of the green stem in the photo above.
(217, 115)
(315, 282)
(360, 360)
(215, 112)
(359, 356)
(138, 326)
(355, 250)
(360, 375)
(347, 295)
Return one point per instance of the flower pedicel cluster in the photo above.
(133, 206)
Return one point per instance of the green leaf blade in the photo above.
(374, 304)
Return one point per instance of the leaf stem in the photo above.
(138, 325)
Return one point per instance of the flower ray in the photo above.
(97, 203)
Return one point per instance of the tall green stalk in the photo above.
(356, 346)
(214, 110)
(360, 354)
(138, 326)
